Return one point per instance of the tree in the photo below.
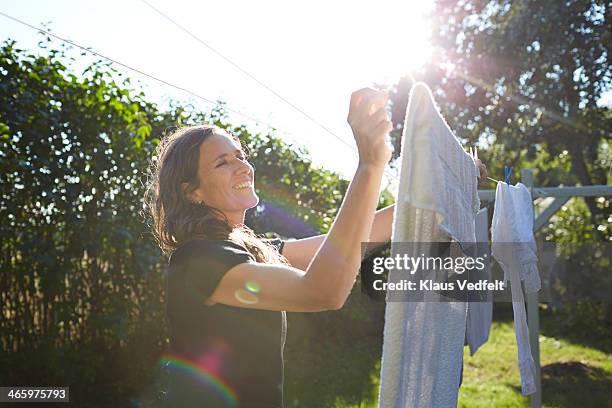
(523, 79)
(82, 280)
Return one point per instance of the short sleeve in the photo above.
(203, 263)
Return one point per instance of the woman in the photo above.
(228, 290)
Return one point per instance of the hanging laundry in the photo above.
(513, 247)
(437, 201)
(438, 174)
(513, 222)
(480, 310)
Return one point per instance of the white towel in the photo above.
(436, 172)
(513, 246)
(437, 200)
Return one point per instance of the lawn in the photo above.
(574, 374)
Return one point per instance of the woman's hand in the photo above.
(482, 168)
(370, 123)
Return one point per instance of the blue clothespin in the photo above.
(507, 174)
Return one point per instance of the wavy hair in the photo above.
(176, 219)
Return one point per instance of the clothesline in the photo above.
(440, 329)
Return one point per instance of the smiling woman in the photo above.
(200, 187)
(229, 176)
(227, 289)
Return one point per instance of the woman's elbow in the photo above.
(337, 303)
(325, 302)
(325, 295)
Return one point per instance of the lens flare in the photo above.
(177, 363)
(245, 297)
(280, 205)
(253, 287)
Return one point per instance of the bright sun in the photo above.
(406, 46)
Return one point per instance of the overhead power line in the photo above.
(244, 71)
(160, 80)
(131, 68)
(251, 76)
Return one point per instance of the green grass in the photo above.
(573, 375)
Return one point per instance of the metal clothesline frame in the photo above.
(561, 196)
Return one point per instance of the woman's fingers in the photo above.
(365, 102)
(382, 128)
(368, 113)
(482, 169)
(379, 115)
(376, 102)
(357, 98)
(370, 123)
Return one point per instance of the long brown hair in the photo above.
(176, 219)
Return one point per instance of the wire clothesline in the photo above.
(194, 94)
(170, 84)
(198, 39)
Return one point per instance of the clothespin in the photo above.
(507, 174)
(474, 155)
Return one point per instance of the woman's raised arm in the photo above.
(328, 279)
(300, 252)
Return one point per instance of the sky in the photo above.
(313, 54)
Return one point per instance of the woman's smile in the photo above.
(243, 186)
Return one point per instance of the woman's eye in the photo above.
(224, 162)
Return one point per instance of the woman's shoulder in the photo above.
(206, 248)
(208, 243)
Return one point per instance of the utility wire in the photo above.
(244, 71)
(265, 86)
(114, 61)
(155, 78)
(248, 74)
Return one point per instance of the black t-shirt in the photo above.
(220, 356)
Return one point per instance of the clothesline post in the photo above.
(560, 195)
(533, 314)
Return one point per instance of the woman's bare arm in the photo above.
(329, 278)
(327, 281)
(300, 252)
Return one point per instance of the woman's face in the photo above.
(226, 177)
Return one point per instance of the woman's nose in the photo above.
(243, 166)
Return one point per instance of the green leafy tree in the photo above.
(82, 280)
(523, 80)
